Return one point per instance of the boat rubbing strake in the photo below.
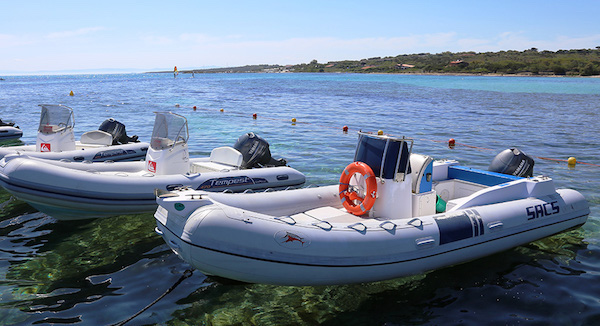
(309, 237)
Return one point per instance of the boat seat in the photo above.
(422, 170)
(221, 158)
(226, 155)
(96, 137)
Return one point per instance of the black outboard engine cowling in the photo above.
(255, 152)
(7, 124)
(513, 162)
(118, 132)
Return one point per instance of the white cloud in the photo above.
(12, 41)
(198, 39)
(519, 41)
(157, 40)
(566, 43)
(77, 32)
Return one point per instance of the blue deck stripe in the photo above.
(486, 178)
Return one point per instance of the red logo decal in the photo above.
(289, 240)
(152, 166)
(290, 237)
(45, 147)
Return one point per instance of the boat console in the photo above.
(55, 132)
(168, 152)
(404, 180)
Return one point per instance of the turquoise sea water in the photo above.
(103, 271)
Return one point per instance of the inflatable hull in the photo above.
(305, 237)
(85, 152)
(71, 190)
(9, 132)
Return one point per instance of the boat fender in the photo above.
(349, 197)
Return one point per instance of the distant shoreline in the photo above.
(562, 63)
(485, 75)
(203, 71)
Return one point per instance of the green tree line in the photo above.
(581, 62)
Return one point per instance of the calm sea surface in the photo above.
(104, 271)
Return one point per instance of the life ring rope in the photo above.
(351, 200)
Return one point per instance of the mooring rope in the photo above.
(185, 275)
(345, 130)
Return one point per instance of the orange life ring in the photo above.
(349, 197)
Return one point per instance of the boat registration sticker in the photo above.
(45, 147)
(291, 240)
(152, 166)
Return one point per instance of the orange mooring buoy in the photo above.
(451, 142)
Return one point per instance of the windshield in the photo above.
(386, 155)
(55, 118)
(169, 129)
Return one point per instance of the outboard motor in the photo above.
(118, 132)
(7, 124)
(512, 162)
(255, 152)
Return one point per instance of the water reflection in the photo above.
(443, 296)
(50, 262)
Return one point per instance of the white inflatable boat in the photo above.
(56, 141)
(76, 190)
(8, 130)
(348, 233)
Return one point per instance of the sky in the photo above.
(53, 36)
